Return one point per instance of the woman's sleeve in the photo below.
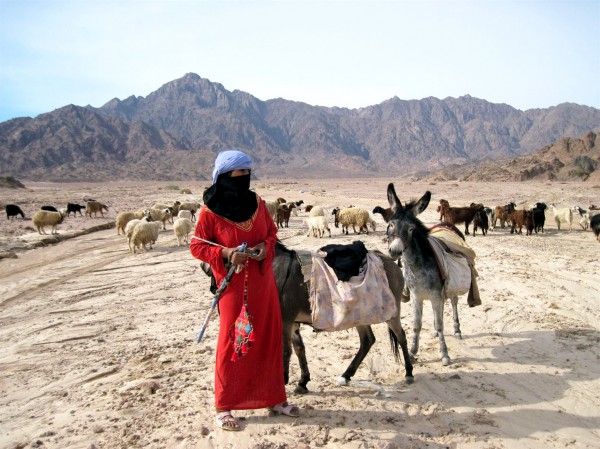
(206, 252)
(271, 238)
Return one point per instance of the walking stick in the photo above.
(218, 294)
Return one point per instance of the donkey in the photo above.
(407, 239)
(295, 310)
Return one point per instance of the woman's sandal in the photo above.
(226, 421)
(285, 409)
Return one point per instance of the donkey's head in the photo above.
(404, 224)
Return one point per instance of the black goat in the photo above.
(12, 210)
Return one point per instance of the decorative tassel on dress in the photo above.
(242, 331)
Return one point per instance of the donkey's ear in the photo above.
(395, 203)
(422, 204)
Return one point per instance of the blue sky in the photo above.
(527, 53)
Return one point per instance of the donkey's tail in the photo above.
(394, 343)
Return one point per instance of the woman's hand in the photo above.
(262, 251)
(234, 256)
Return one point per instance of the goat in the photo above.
(71, 207)
(385, 213)
(49, 208)
(520, 218)
(563, 214)
(501, 213)
(12, 210)
(457, 215)
(282, 215)
(595, 224)
(441, 208)
(480, 221)
(539, 217)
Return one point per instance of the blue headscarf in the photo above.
(229, 160)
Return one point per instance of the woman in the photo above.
(249, 358)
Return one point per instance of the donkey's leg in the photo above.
(457, 332)
(417, 324)
(438, 322)
(397, 335)
(367, 339)
(287, 329)
(299, 349)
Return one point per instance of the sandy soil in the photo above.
(98, 345)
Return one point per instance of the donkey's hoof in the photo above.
(446, 361)
(410, 380)
(458, 335)
(342, 381)
(300, 389)
(435, 334)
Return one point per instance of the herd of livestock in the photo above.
(181, 215)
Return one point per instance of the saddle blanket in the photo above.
(338, 305)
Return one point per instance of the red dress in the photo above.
(256, 379)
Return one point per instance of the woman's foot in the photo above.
(285, 409)
(226, 421)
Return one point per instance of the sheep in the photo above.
(490, 215)
(125, 217)
(185, 214)
(308, 208)
(162, 215)
(480, 220)
(456, 215)
(595, 224)
(43, 218)
(539, 217)
(72, 207)
(144, 234)
(386, 213)
(272, 208)
(174, 208)
(131, 226)
(12, 210)
(316, 211)
(182, 227)
(593, 207)
(93, 207)
(192, 206)
(317, 226)
(356, 217)
(501, 213)
(563, 214)
(87, 198)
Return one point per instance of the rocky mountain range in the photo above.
(175, 132)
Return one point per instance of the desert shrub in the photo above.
(171, 187)
(584, 165)
(186, 191)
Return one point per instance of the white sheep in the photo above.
(185, 214)
(131, 226)
(272, 208)
(564, 214)
(354, 216)
(317, 226)
(144, 234)
(43, 218)
(162, 215)
(317, 211)
(182, 227)
(174, 208)
(192, 206)
(125, 217)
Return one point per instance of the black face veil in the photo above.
(231, 197)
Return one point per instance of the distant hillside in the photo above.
(569, 159)
(177, 130)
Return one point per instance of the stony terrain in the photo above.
(98, 344)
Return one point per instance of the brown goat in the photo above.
(520, 218)
(443, 205)
(457, 215)
(501, 213)
(386, 213)
(283, 215)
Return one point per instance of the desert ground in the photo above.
(98, 345)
